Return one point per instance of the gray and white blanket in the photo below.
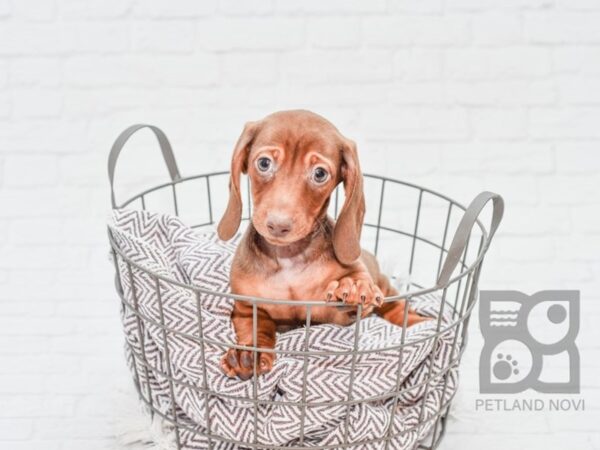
(164, 245)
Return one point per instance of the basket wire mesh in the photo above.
(382, 234)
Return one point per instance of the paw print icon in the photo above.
(529, 342)
(505, 367)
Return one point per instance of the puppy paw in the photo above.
(240, 363)
(354, 291)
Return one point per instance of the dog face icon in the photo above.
(522, 334)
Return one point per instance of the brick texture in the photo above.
(456, 95)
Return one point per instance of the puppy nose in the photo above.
(279, 227)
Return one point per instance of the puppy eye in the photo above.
(263, 164)
(320, 175)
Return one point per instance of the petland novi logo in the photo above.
(529, 344)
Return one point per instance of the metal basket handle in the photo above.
(165, 148)
(463, 232)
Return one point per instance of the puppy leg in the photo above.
(240, 363)
(395, 312)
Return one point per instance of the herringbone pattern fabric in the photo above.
(163, 245)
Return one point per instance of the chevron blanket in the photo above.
(164, 245)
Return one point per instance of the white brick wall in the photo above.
(457, 95)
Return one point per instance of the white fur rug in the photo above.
(133, 428)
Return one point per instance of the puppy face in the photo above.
(293, 165)
(295, 159)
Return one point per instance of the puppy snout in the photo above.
(279, 226)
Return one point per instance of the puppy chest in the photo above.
(295, 282)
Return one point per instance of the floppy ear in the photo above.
(230, 222)
(346, 234)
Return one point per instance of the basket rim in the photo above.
(455, 322)
(403, 295)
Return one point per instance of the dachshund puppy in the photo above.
(292, 249)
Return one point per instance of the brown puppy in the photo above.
(292, 249)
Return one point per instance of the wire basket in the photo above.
(406, 225)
